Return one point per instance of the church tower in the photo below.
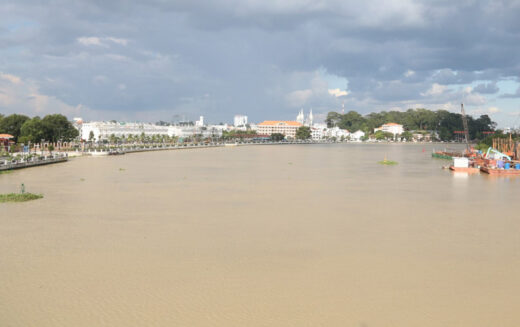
(300, 118)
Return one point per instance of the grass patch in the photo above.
(19, 197)
(387, 162)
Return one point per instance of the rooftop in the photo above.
(280, 122)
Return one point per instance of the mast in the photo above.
(465, 124)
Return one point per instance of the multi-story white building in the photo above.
(391, 128)
(240, 120)
(103, 130)
(287, 128)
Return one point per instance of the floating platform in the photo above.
(469, 170)
(500, 171)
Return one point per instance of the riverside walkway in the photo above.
(32, 162)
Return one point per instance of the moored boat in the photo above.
(500, 171)
(464, 165)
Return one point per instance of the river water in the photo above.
(294, 235)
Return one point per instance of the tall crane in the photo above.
(465, 124)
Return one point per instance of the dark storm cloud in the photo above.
(219, 58)
(489, 88)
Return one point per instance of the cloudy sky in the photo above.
(168, 59)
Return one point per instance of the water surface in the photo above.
(296, 235)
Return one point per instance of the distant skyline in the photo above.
(162, 60)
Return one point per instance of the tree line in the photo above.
(51, 128)
(443, 122)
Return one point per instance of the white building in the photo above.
(357, 136)
(240, 120)
(103, 130)
(337, 133)
(200, 122)
(391, 128)
(317, 133)
(287, 128)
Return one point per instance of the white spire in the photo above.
(309, 119)
(300, 118)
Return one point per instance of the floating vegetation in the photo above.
(290, 163)
(82, 179)
(5, 172)
(19, 197)
(122, 169)
(387, 162)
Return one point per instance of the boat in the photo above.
(447, 154)
(500, 171)
(464, 165)
(116, 152)
(469, 170)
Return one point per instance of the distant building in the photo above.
(306, 121)
(287, 128)
(336, 132)
(103, 130)
(240, 120)
(6, 141)
(391, 128)
(200, 122)
(357, 136)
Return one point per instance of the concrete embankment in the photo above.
(32, 162)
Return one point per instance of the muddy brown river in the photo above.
(293, 235)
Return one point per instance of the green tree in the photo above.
(303, 133)
(91, 136)
(57, 128)
(12, 125)
(380, 135)
(277, 137)
(333, 119)
(406, 135)
(33, 130)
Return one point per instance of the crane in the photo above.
(465, 124)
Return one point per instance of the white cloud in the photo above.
(409, 73)
(117, 40)
(24, 96)
(101, 41)
(337, 92)
(11, 78)
(88, 41)
(436, 89)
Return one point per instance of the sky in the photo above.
(171, 60)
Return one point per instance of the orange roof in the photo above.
(279, 122)
(6, 136)
(391, 124)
